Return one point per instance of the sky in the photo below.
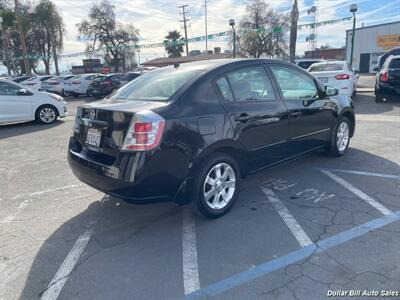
(155, 18)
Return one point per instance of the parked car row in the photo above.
(94, 84)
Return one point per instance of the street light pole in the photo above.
(232, 24)
(353, 9)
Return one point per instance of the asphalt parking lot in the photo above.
(304, 230)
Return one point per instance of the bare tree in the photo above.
(294, 18)
(106, 35)
(263, 30)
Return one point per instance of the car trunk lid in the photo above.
(103, 125)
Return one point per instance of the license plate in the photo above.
(93, 137)
(324, 79)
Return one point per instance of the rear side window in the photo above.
(395, 64)
(251, 84)
(225, 90)
(294, 84)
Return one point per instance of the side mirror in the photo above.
(22, 92)
(331, 91)
(376, 69)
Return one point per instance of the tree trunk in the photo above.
(294, 18)
(54, 49)
(116, 63)
(47, 66)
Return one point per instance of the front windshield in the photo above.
(157, 85)
(326, 67)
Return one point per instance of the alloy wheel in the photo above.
(47, 115)
(219, 186)
(342, 137)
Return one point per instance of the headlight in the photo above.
(56, 97)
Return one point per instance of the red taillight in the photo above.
(342, 76)
(76, 82)
(145, 132)
(385, 76)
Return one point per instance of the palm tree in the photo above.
(174, 43)
(49, 30)
(294, 18)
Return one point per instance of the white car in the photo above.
(55, 84)
(21, 104)
(337, 74)
(35, 83)
(79, 85)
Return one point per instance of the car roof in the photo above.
(394, 57)
(330, 62)
(209, 65)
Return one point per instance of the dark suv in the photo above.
(192, 131)
(102, 86)
(388, 80)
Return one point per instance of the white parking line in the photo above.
(191, 280)
(373, 174)
(61, 277)
(61, 188)
(357, 192)
(23, 204)
(288, 218)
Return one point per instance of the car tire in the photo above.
(340, 138)
(46, 114)
(220, 186)
(378, 98)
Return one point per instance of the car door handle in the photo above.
(295, 115)
(242, 118)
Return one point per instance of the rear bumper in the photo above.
(387, 90)
(138, 177)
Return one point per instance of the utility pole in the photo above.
(22, 38)
(294, 17)
(205, 17)
(353, 9)
(183, 7)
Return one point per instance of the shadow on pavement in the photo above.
(136, 250)
(365, 104)
(11, 130)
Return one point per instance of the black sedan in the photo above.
(388, 80)
(104, 85)
(192, 131)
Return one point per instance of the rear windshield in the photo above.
(326, 67)
(130, 76)
(305, 64)
(395, 64)
(157, 85)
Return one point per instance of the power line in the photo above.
(184, 20)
